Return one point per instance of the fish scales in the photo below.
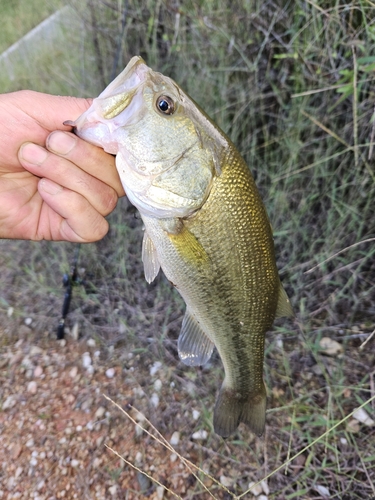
(236, 297)
(205, 226)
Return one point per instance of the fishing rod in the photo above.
(69, 281)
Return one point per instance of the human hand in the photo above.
(53, 185)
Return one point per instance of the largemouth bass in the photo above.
(205, 226)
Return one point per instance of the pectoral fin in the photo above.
(194, 347)
(150, 258)
(284, 307)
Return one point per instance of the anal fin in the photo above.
(194, 347)
(284, 307)
(150, 258)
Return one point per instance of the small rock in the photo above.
(86, 360)
(73, 372)
(29, 443)
(362, 416)
(74, 463)
(226, 481)
(138, 459)
(322, 490)
(154, 400)
(10, 483)
(263, 497)
(265, 487)
(158, 384)
(18, 472)
(38, 371)
(96, 463)
(87, 404)
(353, 426)
(173, 457)
(110, 373)
(90, 370)
(330, 346)
(62, 342)
(200, 435)
(32, 387)
(155, 368)
(99, 441)
(15, 452)
(9, 402)
(100, 412)
(75, 331)
(24, 330)
(175, 439)
(143, 481)
(317, 370)
(138, 431)
(343, 441)
(138, 391)
(40, 485)
(28, 321)
(196, 414)
(160, 492)
(16, 358)
(255, 488)
(91, 342)
(90, 425)
(18, 344)
(35, 351)
(27, 363)
(33, 462)
(10, 312)
(113, 490)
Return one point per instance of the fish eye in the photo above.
(165, 104)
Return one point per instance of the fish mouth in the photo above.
(102, 118)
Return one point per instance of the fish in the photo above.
(205, 226)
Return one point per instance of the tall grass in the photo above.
(292, 84)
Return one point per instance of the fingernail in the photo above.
(49, 186)
(32, 153)
(61, 143)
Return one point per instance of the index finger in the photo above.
(92, 159)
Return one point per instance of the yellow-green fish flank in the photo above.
(205, 226)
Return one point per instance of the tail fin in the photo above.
(231, 409)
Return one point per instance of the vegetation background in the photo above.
(292, 84)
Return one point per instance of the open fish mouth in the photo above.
(118, 106)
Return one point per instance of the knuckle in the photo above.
(109, 201)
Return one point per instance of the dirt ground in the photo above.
(57, 427)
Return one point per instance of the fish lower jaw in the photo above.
(150, 208)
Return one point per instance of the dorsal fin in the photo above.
(194, 347)
(284, 307)
(150, 258)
